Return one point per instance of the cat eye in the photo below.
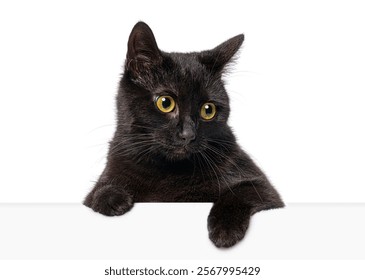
(165, 103)
(208, 111)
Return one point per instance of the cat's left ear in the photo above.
(217, 58)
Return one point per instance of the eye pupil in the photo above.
(208, 109)
(166, 103)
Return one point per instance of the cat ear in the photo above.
(217, 58)
(142, 48)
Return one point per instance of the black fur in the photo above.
(178, 156)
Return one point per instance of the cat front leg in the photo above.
(228, 222)
(230, 215)
(109, 199)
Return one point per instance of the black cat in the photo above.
(173, 144)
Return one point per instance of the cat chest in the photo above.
(174, 188)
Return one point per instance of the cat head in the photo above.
(173, 104)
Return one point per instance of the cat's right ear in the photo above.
(142, 49)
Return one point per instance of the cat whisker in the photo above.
(125, 148)
(220, 173)
(253, 185)
(98, 145)
(214, 150)
(209, 164)
(145, 153)
(193, 174)
(129, 125)
(134, 135)
(225, 144)
(200, 166)
(221, 155)
(127, 144)
(102, 126)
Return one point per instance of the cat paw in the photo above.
(225, 230)
(111, 201)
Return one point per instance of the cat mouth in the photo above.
(179, 152)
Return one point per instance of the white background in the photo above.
(297, 91)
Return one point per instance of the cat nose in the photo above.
(187, 135)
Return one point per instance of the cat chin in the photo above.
(178, 154)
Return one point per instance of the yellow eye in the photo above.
(208, 111)
(165, 103)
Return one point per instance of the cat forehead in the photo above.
(185, 71)
(188, 65)
(186, 59)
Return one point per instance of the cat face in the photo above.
(174, 104)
